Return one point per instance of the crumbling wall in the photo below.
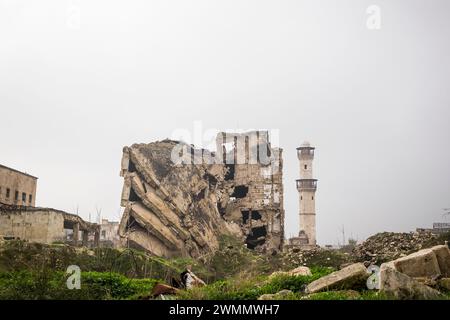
(256, 198)
(43, 225)
(178, 200)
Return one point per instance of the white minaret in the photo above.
(306, 187)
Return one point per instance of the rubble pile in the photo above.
(423, 274)
(293, 257)
(299, 257)
(387, 246)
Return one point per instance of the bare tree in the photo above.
(99, 214)
(446, 212)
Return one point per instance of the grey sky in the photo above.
(375, 103)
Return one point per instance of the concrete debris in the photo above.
(350, 277)
(413, 276)
(398, 285)
(442, 253)
(281, 295)
(429, 263)
(388, 246)
(296, 256)
(422, 263)
(175, 208)
(299, 271)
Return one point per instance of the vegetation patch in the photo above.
(244, 287)
(26, 285)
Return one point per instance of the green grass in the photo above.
(243, 287)
(345, 295)
(36, 271)
(26, 285)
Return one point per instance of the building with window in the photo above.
(16, 187)
(109, 234)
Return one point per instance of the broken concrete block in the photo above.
(301, 271)
(278, 273)
(276, 296)
(398, 285)
(422, 263)
(443, 258)
(267, 296)
(350, 277)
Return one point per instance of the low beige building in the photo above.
(46, 225)
(16, 187)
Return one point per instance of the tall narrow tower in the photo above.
(306, 187)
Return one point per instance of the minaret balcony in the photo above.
(306, 184)
(305, 153)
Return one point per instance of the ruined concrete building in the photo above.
(45, 225)
(179, 200)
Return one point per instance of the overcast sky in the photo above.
(81, 79)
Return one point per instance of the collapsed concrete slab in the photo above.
(429, 263)
(442, 253)
(349, 277)
(179, 200)
(400, 286)
(422, 263)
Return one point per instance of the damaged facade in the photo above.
(46, 225)
(179, 200)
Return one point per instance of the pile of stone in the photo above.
(294, 256)
(417, 276)
(424, 274)
(389, 246)
(420, 275)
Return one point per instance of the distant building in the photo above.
(16, 187)
(441, 227)
(438, 228)
(109, 233)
